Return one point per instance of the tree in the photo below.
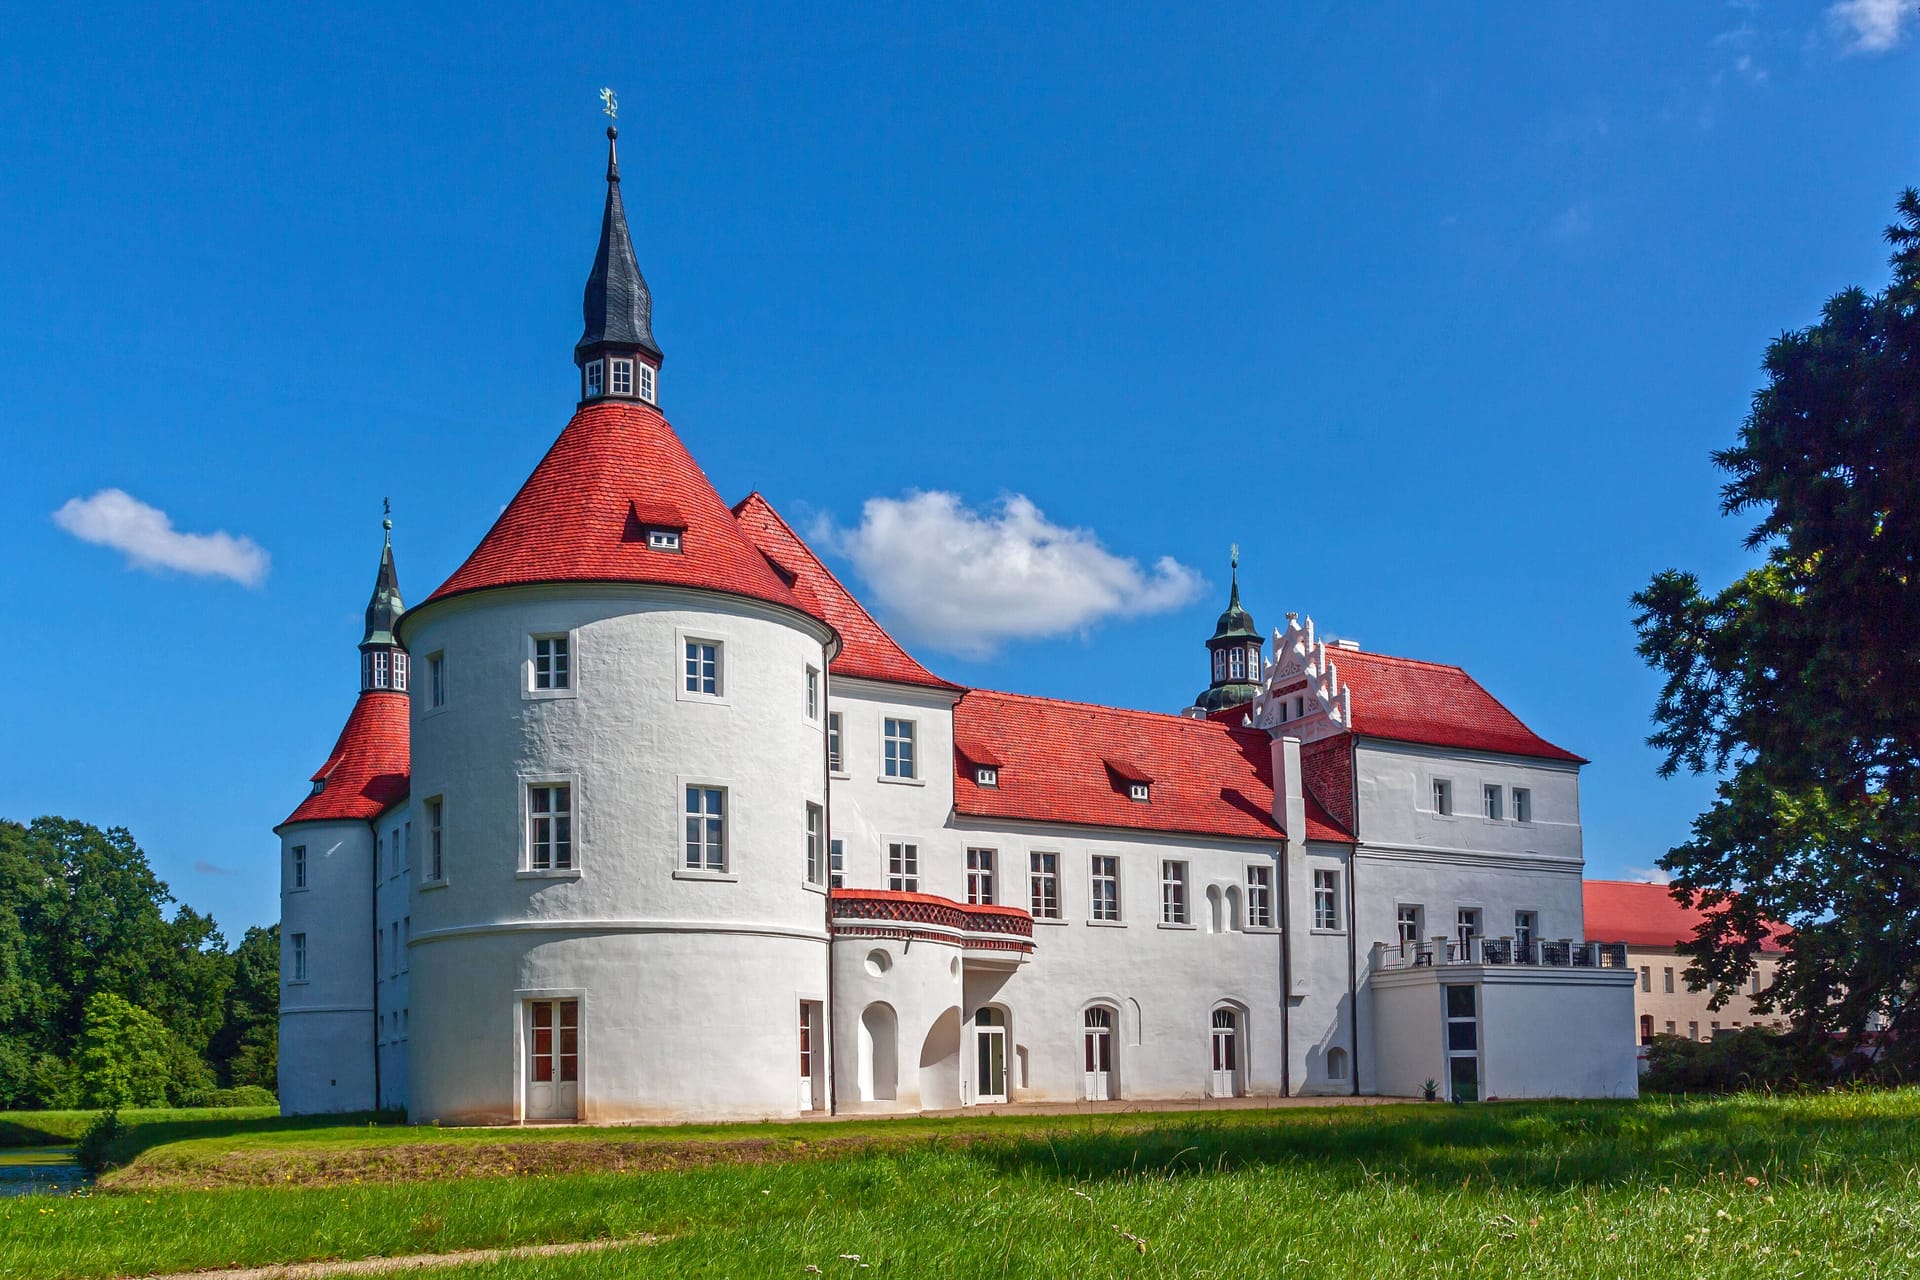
(127, 1056)
(246, 1049)
(1799, 683)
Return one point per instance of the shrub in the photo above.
(126, 1055)
(94, 1151)
(245, 1095)
(1751, 1058)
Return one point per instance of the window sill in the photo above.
(300, 888)
(901, 782)
(1106, 924)
(811, 887)
(1171, 924)
(424, 885)
(718, 877)
(1329, 933)
(557, 873)
(1260, 928)
(1050, 920)
(548, 695)
(429, 712)
(839, 775)
(298, 982)
(712, 699)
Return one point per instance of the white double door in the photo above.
(989, 1056)
(1097, 1054)
(553, 1059)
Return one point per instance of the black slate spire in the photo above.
(383, 661)
(617, 307)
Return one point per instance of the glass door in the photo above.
(1226, 1053)
(1099, 1054)
(1463, 1043)
(553, 1060)
(990, 1056)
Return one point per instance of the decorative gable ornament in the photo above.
(1302, 696)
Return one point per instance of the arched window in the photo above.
(1336, 1063)
(1253, 661)
(1219, 665)
(1646, 1028)
(1236, 664)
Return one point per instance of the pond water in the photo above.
(26, 1171)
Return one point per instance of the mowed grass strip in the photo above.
(1810, 1186)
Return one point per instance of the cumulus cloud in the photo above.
(1870, 26)
(1647, 875)
(966, 581)
(114, 518)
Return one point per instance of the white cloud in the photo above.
(1870, 26)
(967, 581)
(1647, 875)
(114, 518)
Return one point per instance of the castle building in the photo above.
(640, 815)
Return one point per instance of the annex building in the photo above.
(640, 815)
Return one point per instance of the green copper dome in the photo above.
(1234, 652)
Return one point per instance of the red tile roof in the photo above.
(366, 773)
(1208, 779)
(866, 650)
(616, 467)
(1645, 915)
(1434, 704)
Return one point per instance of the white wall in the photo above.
(326, 1022)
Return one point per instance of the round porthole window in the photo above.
(954, 967)
(878, 962)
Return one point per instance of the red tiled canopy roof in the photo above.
(618, 465)
(1645, 915)
(866, 650)
(1208, 779)
(1435, 704)
(366, 773)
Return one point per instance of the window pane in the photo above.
(1459, 1002)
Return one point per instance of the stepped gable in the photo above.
(616, 472)
(366, 772)
(1070, 762)
(1646, 915)
(867, 652)
(1434, 704)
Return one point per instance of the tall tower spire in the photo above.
(1234, 652)
(383, 662)
(617, 355)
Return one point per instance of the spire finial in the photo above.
(1234, 563)
(386, 522)
(610, 107)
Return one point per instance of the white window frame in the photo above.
(1255, 667)
(692, 791)
(1493, 802)
(816, 845)
(594, 380)
(1236, 663)
(983, 866)
(649, 382)
(1409, 923)
(1219, 665)
(812, 694)
(529, 822)
(1139, 792)
(1043, 885)
(896, 765)
(566, 668)
(1259, 896)
(986, 776)
(903, 865)
(836, 744)
(1103, 871)
(1468, 923)
(298, 968)
(1176, 909)
(836, 863)
(1327, 912)
(298, 854)
(620, 371)
(687, 640)
(1524, 938)
(1440, 793)
(1523, 804)
(663, 539)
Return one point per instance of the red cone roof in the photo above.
(582, 516)
(366, 773)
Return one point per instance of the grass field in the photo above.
(1815, 1186)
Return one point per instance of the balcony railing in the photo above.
(977, 926)
(1563, 953)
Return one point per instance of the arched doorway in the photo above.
(1097, 1054)
(879, 1053)
(990, 1055)
(1225, 1082)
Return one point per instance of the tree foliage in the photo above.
(1799, 682)
(83, 916)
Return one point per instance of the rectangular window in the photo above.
(1106, 887)
(1044, 869)
(980, 876)
(663, 539)
(596, 374)
(646, 382)
(1522, 805)
(1646, 978)
(836, 863)
(903, 867)
(379, 856)
(1693, 1031)
(1173, 891)
(299, 950)
(836, 763)
(706, 829)
(437, 679)
(703, 667)
(816, 822)
(400, 671)
(1326, 899)
(1466, 927)
(551, 663)
(1669, 1026)
(1525, 925)
(436, 865)
(550, 828)
(381, 665)
(1442, 796)
(299, 866)
(406, 940)
(393, 950)
(898, 743)
(1409, 924)
(623, 377)
(1667, 980)
(1491, 798)
(1259, 897)
(813, 693)
(1236, 664)
(406, 846)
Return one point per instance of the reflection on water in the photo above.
(26, 1171)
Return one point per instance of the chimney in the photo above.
(1289, 791)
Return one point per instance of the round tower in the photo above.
(618, 753)
(1234, 654)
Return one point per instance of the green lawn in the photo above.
(1746, 1186)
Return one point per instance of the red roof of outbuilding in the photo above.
(366, 773)
(1435, 704)
(866, 650)
(1056, 766)
(581, 516)
(1645, 915)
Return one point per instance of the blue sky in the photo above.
(1435, 310)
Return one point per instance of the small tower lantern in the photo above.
(1234, 653)
(617, 355)
(383, 662)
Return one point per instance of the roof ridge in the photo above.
(1338, 654)
(1171, 716)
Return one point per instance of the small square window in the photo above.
(1137, 791)
(663, 539)
(703, 667)
(986, 777)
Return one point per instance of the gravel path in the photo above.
(410, 1262)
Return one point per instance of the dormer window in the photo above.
(1236, 664)
(646, 382)
(986, 777)
(596, 378)
(663, 539)
(623, 377)
(1137, 791)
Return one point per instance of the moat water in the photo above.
(27, 1171)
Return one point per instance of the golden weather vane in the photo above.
(609, 104)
